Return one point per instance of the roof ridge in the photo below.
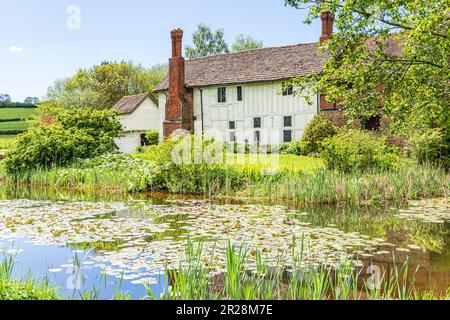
(250, 50)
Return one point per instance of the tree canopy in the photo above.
(5, 98)
(101, 86)
(31, 101)
(242, 43)
(386, 56)
(206, 42)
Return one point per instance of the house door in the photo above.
(144, 141)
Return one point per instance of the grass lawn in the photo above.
(13, 125)
(6, 142)
(255, 162)
(277, 161)
(13, 113)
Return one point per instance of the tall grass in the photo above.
(120, 173)
(193, 281)
(26, 288)
(328, 186)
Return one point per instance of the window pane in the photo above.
(287, 136)
(222, 94)
(288, 121)
(256, 122)
(232, 137)
(288, 91)
(232, 125)
(239, 93)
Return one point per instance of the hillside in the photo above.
(13, 120)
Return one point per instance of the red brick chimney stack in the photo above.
(179, 106)
(327, 26)
(177, 42)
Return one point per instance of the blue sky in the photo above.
(37, 47)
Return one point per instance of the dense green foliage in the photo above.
(390, 57)
(16, 105)
(427, 146)
(59, 136)
(156, 172)
(293, 147)
(358, 150)
(152, 137)
(102, 86)
(315, 132)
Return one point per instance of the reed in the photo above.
(193, 281)
(121, 173)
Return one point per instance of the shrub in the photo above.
(427, 146)
(185, 167)
(360, 150)
(152, 137)
(294, 147)
(59, 136)
(315, 132)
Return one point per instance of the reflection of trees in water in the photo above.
(380, 222)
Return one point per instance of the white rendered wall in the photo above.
(259, 100)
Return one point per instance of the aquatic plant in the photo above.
(314, 282)
(123, 173)
(23, 289)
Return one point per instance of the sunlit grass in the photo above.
(6, 141)
(271, 162)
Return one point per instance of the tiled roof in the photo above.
(128, 104)
(258, 65)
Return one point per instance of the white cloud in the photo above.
(15, 49)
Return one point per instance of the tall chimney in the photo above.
(327, 26)
(179, 106)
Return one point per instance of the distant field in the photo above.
(13, 125)
(13, 113)
(6, 142)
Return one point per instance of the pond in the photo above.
(108, 243)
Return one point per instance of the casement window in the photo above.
(239, 93)
(232, 125)
(287, 121)
(232, 136)
(287, 136)
(288, 91)
(222, 94)
(257, 122)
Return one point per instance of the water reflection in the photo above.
(385, 238)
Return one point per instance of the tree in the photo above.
(101, 86)
(31, 101)
(206, 42)
(59, 136)
(5, 98)
(390, 57)
(243, 43)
